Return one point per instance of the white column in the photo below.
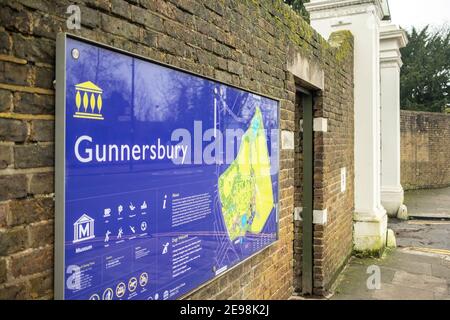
(363, 19)
(392, 38)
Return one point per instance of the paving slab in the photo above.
(440, 270)
(406, 274)
(422, 233)
(390, 291)
(429, 203)
(421, 281)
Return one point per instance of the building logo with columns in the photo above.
(83, 229)
(88, 101)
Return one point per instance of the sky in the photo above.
(419, 13)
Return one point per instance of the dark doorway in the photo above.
(303, 194)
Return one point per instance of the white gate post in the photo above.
(392, 38)
(363, 19)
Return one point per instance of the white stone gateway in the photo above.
(392, 38)
(363, 19)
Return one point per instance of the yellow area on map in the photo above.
(245, 188)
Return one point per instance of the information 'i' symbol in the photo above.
(165, 199)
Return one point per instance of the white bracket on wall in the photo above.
(320, 217)
(320, 124)
(287, 140)
(298, 213)
(343, 179)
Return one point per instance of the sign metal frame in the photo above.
(60, 156)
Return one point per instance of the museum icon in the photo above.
(83, 229)
(88, 101)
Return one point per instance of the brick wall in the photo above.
(243, 43)
(333, 153)
(425, 149)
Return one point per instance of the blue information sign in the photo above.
(165, 179)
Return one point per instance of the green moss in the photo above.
(293, 28)
(343, 42)
(377, 252)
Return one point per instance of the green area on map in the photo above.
(245, 188)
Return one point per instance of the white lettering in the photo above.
(87, 150)
(136, 152)
(110, 153)
(183, 137)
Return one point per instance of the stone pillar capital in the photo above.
(328, 8)
(392, 39)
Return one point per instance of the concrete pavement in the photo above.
(421, 233)
(419, 268)
(428, 203)
(405, 275)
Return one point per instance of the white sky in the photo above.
(419, 13)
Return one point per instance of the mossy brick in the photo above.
(215, 6)
(13, 240)
(120, 27)
(16, 74)
(41, 285)
(13, 130)
(5, 42)
(3, 271)
(41, 234)
(99, 4)
(4, 212)
(190, 6)
(222, 76)
(17, 291)
(32, 103)
(40, 5)
(34, 156)
(42, 130)
(31, 262)
(171, 45)
(42, 183)
(149, 38)
(16, 19)
(5, 156)
(43, 77)
(27, 211)
(33, 49)
(13, 186)
(147, 18)
(121, 8)
(90, 17)
(47, 26)
(235, 67)
(6, 100)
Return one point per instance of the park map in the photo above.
(245, 188)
